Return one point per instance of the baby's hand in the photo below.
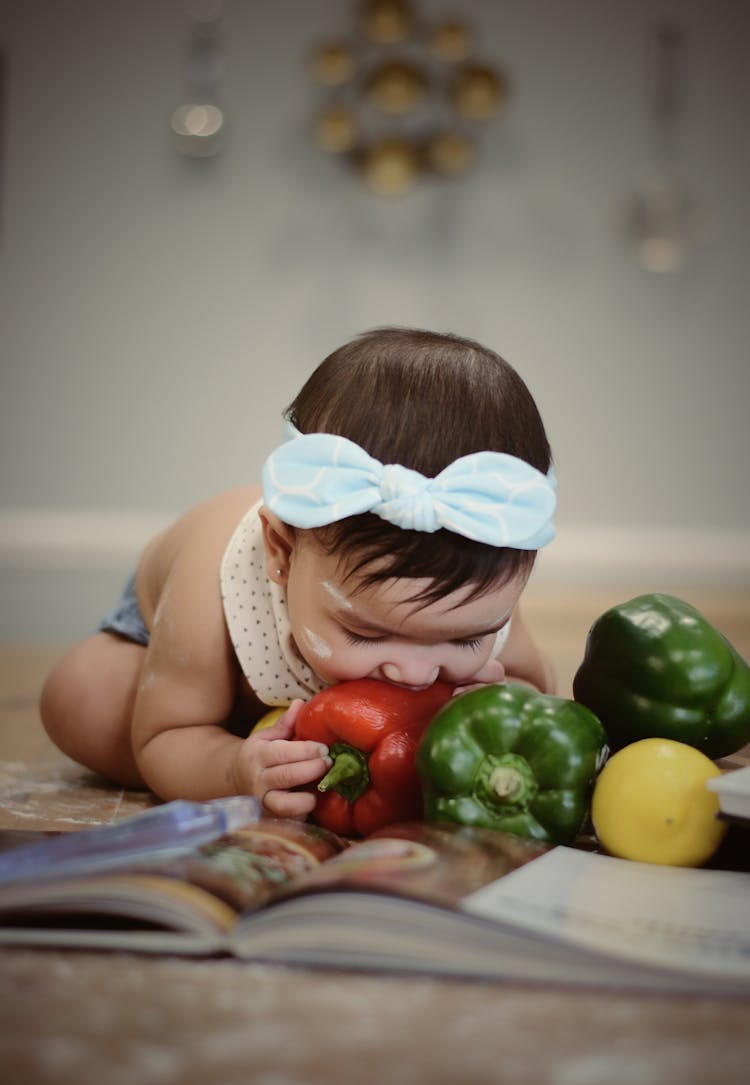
(269, 764)
(492, 671)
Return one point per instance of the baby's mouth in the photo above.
(405, 685)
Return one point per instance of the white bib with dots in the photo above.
(258, 620)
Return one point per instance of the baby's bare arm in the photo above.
(187, 692)
(204, 761)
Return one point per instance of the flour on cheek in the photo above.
(336, 594)
(317, 645)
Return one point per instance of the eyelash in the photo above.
(355, 638)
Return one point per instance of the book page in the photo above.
(671, 917)
(733, 791)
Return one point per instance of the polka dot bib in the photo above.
(258, 620)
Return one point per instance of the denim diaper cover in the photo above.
(125, 617)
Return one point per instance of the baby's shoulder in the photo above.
(223, 511)
(189, 551)
(211, 522)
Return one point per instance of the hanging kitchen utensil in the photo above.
(658, 212)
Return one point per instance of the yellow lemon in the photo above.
(651, 804)
(269, 719)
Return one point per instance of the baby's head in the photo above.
(421, 400)
(438, 565)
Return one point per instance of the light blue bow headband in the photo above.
(319, 478)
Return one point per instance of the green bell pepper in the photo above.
(507, 757)
(654, 667)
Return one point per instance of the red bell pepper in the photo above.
(372, 730)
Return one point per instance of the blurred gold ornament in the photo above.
(450, 153)
(385, 22)
(400, 93)
(336, 130)
(450, 41)
(333, 64)
(479, 92)
(391, 167)
(396, 87)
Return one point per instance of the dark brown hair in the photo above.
(421, 399)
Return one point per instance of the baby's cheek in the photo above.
(492, 671)
(343, 667)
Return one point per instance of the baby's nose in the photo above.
(411, 672)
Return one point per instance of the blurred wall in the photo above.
(157, 313)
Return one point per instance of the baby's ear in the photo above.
(278, 539)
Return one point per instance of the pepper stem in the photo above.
(348, 774)
(506, 782)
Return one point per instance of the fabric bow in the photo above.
(492, 497)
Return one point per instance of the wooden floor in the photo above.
(74, 1018)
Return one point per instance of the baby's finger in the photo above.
(294, 773)
(282, 752)
(283, 727)
(289, 804)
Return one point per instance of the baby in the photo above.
(395, 532)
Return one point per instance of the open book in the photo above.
(413, 898)
(733, 792)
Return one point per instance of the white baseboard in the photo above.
(78, 540)
(654, 558)
(73, 539)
